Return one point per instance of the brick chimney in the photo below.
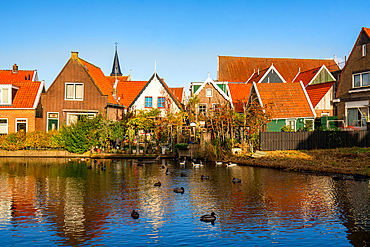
(74, 55)
(15, 69)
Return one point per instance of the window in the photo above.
(357, 116)
(74, 117)
(215, 106)
(148, 102)
(361, 80)
(161, 102)
(74, 91)
(53, 121)
(364, 50)
(4, 96)
(291, 123)
(21, 125)
(3, 126)
(209, 93)
(309, 124)
(202, 108)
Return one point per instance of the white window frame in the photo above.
(9, 87)
(364, 50)
(93, 114)
(16, 122)
(74, 91)
(294, 121)
(7, 125)
(209, 92)
(360, 74)
(47, 119)
(202, 104)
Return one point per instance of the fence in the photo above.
(270, 141)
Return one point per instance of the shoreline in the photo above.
(343, 161)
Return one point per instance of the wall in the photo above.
(53, 99)
(216, 99)
(275, 125)
(11, 115)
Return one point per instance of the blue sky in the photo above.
(184, 38)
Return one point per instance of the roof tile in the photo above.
(317, 91)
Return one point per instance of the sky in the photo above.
(183, 38)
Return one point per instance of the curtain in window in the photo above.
(79, 91)
(365, 79)
(352, 117)
(5, 95)
(69, 91)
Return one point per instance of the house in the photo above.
(20, 106)
(211, 94)
(81, 88)
(146, 95)
(241, 69)
(288, 103)
(319, 83)
(353, 93)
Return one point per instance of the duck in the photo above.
(203, 177)
(182, 163)
(208, 218)
(158, 184)
(168, 172)
(95, 161)
(231, 164)
(237, 180)
(100, 163)
(179, 190)
(103, 168)
(183, 174)
(134, 214)
(218, 162)
(89, 167)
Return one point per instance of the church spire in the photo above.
(116, 70)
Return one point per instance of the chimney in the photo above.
(74, 55)
(15, 69)
(258, 71)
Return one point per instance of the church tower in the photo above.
(116, 70)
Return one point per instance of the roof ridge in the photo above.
(282, 58)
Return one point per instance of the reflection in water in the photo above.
(56, 202)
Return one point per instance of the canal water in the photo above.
(53, 202)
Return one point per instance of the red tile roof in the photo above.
(239, 93)
(12, 78)
(26, 95)
(112, 79)
(317, 91)
(240, 69)
(127, 91)
(367, 31)
(101, 81)
(287, 100)
(306, 76)
(258, 74)
(177, 92)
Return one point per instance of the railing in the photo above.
(306, 140)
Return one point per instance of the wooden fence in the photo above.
(270, 141)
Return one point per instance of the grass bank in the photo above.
(333, 161)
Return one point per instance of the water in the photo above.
(49, 202)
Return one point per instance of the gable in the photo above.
(322, 77)
(240, 69)
(317, 91)
(272, 77)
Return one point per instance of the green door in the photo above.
(53, 124)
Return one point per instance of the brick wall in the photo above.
(12, 115)
(217, 97)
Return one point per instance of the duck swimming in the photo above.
(237, 180)
(203, 177)
(179, 190)
(231, 164)
(158, 184)
(168, 172)
(218, 162)
(134, 214)
(208, 218)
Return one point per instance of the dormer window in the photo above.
(364, 50)
(4, 96)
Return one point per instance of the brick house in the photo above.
(81, 88)
(20, 107)
(211, 94)
(353, 93)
